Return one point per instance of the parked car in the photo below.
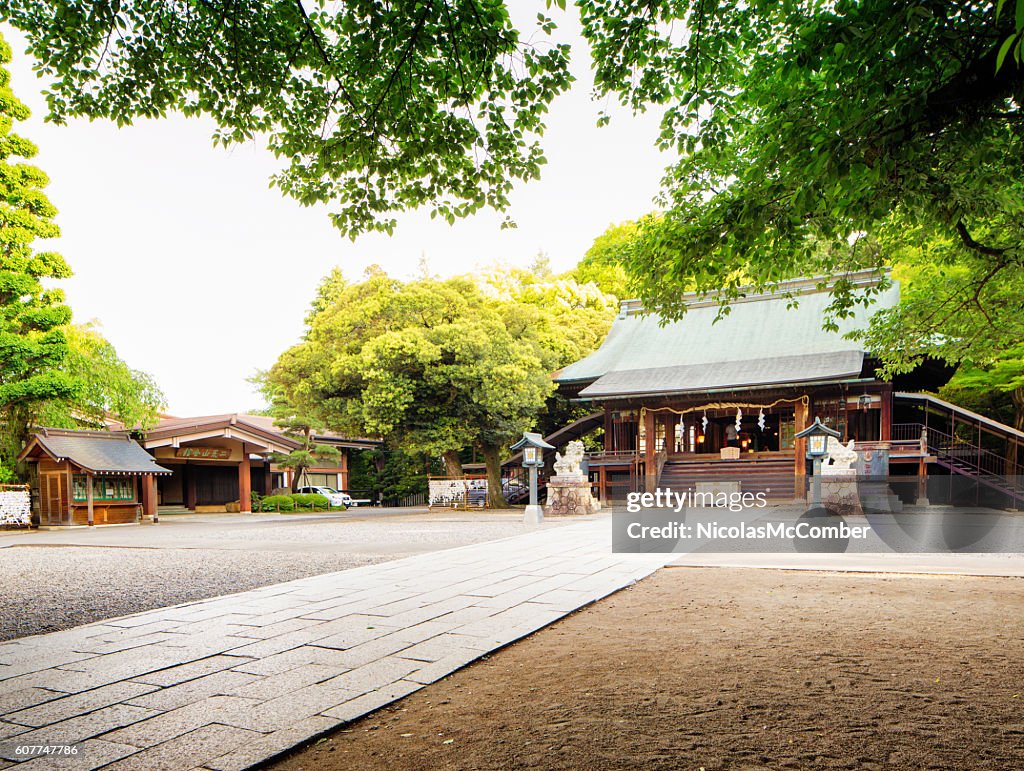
(336, 498)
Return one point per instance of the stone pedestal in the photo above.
(839, 490)
(534, 514)
(570, 496)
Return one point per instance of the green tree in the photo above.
(326, 292)
(300, 427)
(996, 390)
(808, 125)
(957, 306)
(605, 261)
(33, 343)
(791, 119)
(107, 387)
(431, 366)
(374, 107)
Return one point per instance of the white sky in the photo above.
(200, 274)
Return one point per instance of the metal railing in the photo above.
(965, 457)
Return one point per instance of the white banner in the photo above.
(457, 493)
(15, 508)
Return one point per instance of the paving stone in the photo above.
(296, 657)
(371, 651)
(500, 587)
(166, 726)
(273, 630)
(445, 666)
(26, 697)
(285, 682)
(436, 649)
(376, 674)
(190, 750)
(223, 683)
(78, 704)
(272, 744)
(279, 713)
(7, 730)
(190, 671)
(124, 644)
(42, 662)
(373, 700)
(92, 754)
(278, 644)
(83, 727)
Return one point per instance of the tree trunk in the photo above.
(297, 477)
(452, 463)
(492, 457)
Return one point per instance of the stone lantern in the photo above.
(817, 435)
(533, 446)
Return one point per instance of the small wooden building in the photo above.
(90, 478)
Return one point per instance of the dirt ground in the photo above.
(727, 668)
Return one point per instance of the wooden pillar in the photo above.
(148, 483)
(344, 470)
(608, 445)
(800, 420)
(190, 487)
(602, 485)
(885, 429)
(650, 466)
(89, 499)
(244, 485)
(268, 478)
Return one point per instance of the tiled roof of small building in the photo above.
(97, 451)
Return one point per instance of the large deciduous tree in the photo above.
(803, 127)
(435, 366)
(33, 343)
(374, 107)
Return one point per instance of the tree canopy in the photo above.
(435, 366)
(790, 118)
(807, 123)
(373, 107)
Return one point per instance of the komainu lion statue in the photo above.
(840, 455)
(568, 465)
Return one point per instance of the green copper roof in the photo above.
(757, 332)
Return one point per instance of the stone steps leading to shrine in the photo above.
(772, 477)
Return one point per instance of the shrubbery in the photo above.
(311, 501)
(278, 503)
(296, 501)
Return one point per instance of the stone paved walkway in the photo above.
(226, 683)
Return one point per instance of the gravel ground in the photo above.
(50, 588)
(54, 580)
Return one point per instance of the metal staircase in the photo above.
(964, 443)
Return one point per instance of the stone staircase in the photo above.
(771, 476)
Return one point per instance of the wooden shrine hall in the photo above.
(696, 398)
